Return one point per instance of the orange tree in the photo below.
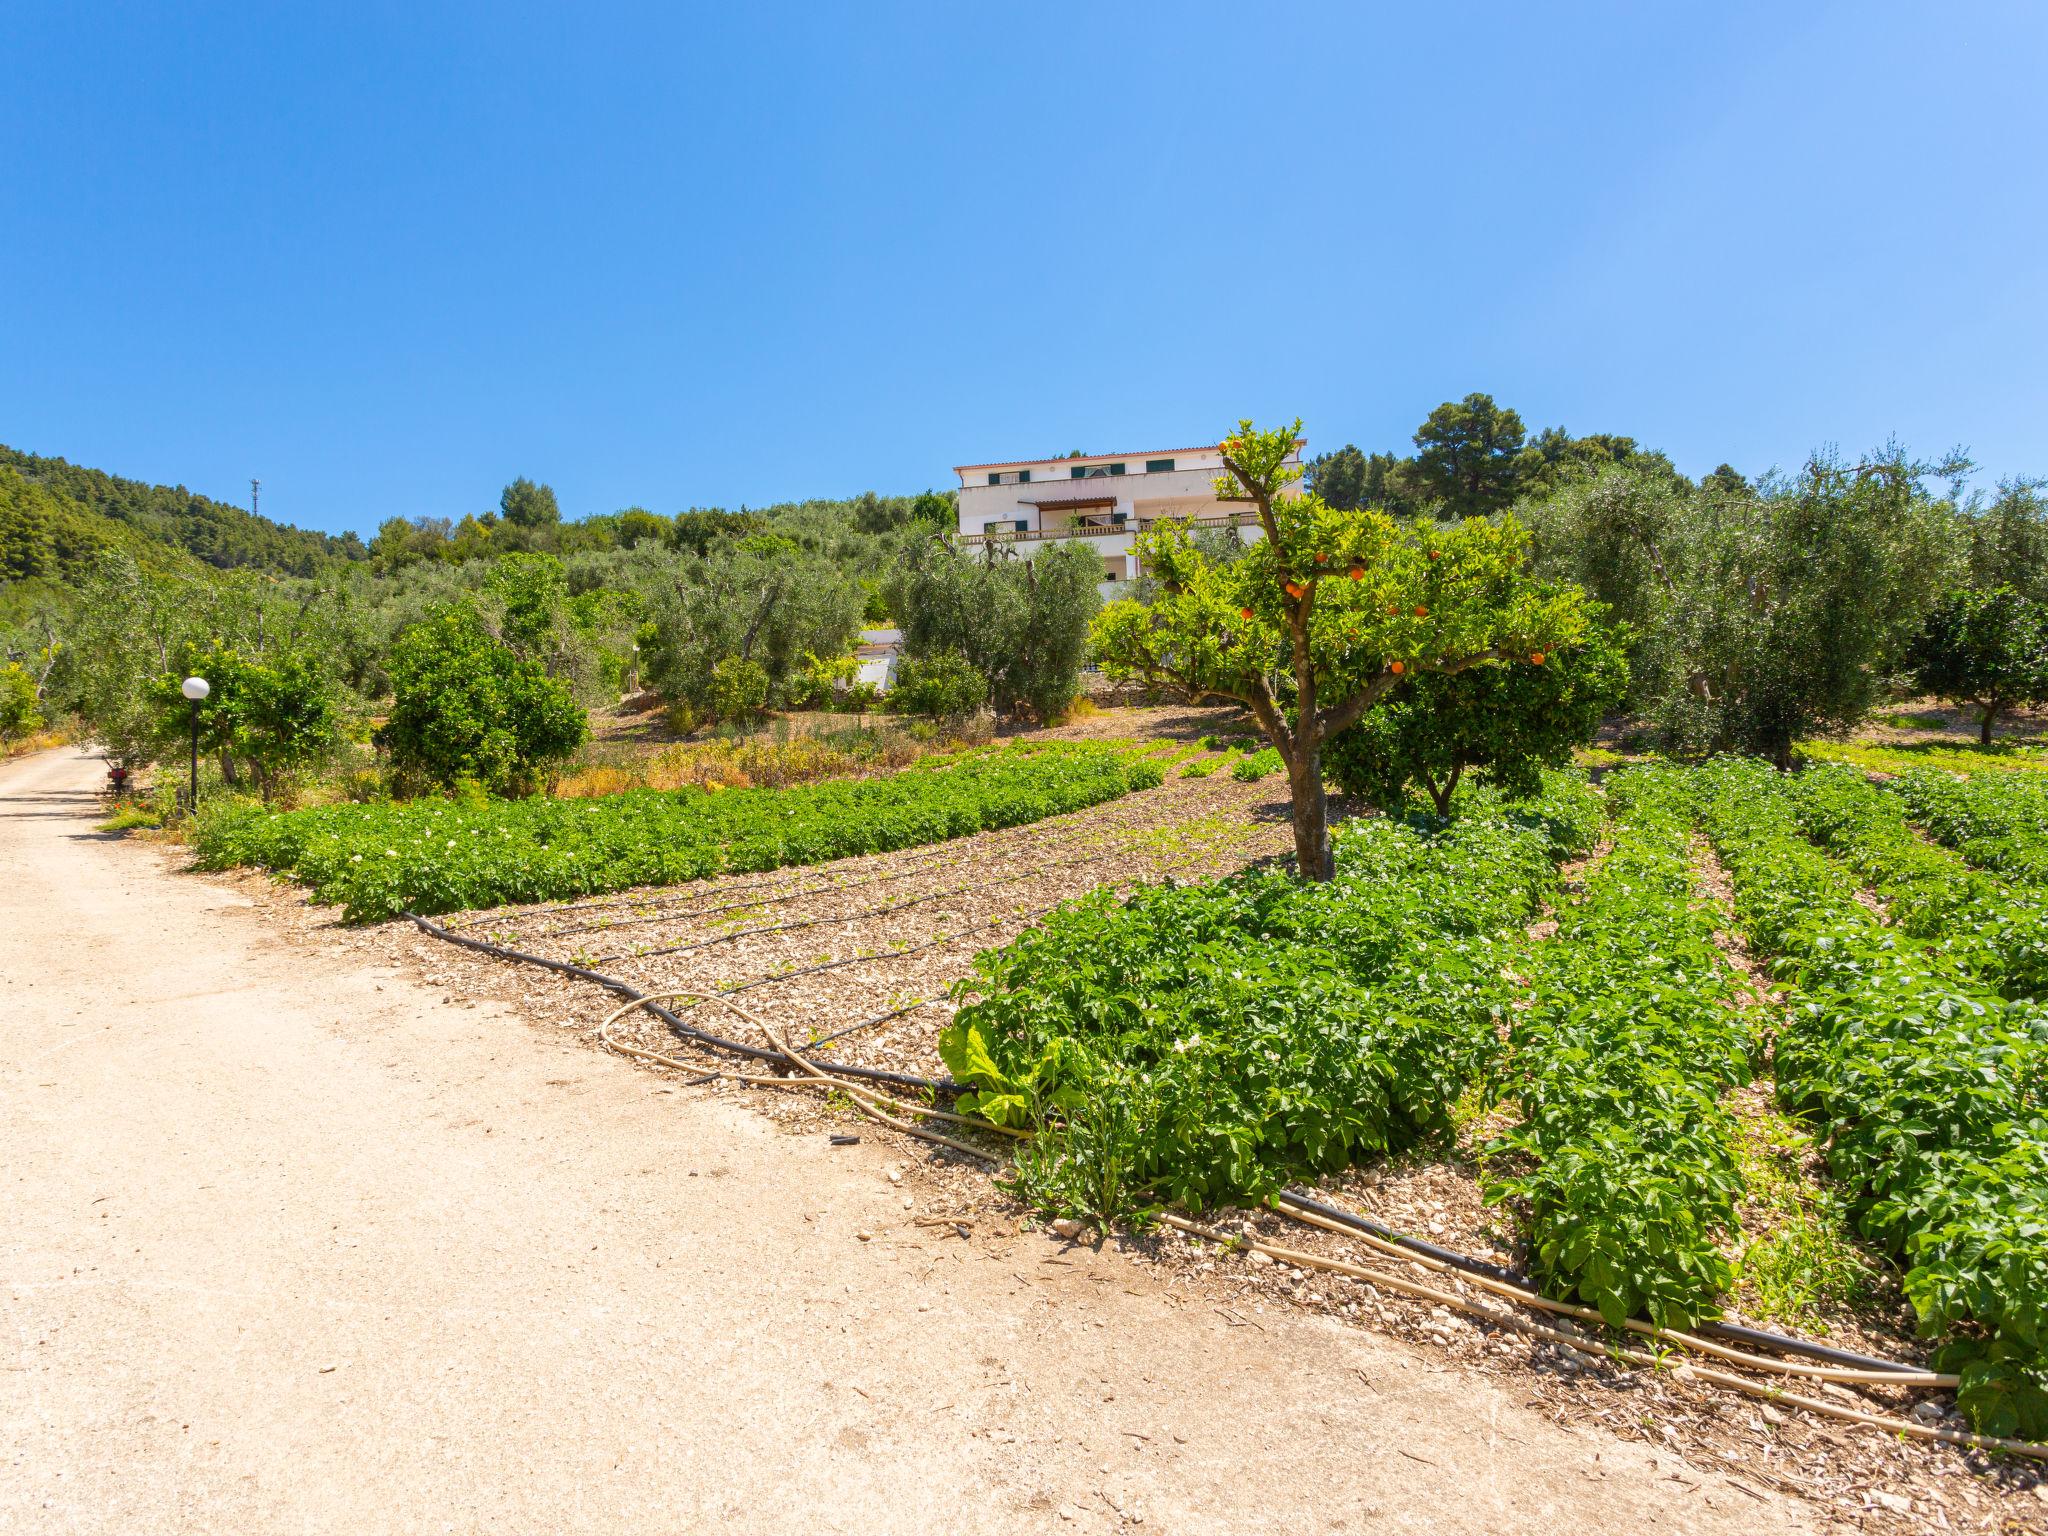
(1316, 623)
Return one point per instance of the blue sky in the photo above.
(386, 257)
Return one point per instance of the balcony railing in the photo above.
(1099, 526)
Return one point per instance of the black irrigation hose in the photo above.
(1734, 1333)
(677, 1026)
(938, 855)
(859, 916)
(881, 1018)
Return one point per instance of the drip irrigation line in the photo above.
(941, 852)
(934, 855)
(859, 916)
(1734, 1333)
(676, 1026)
(867, 1100)
(880, 1018)
(1573, 1339)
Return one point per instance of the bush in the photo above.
(946, 687)
(739, 689)
(465, 707)
(19, 714)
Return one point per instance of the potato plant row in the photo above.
(1930, 1089)
(1993, 932)
(444, 856)
(1210, 1042)
(1623, 1160)
(1997, 821)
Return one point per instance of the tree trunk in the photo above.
(1442, 796)
(1311, 814)
(1984, 725)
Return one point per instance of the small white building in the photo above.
(1103, 499)
(877, 651)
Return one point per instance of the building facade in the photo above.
(1103, 500)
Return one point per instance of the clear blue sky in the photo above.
(387, 256)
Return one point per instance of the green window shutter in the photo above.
(995, 479)
(1158, 466)
(1116, 469)
(1023, 477)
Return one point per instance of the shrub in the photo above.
(19, 712)
(946, 687)
(464, 706)
(739, 689)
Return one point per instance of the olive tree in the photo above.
(1324, 617)
(1760, 614)
(1985, 648)
(1022, 623)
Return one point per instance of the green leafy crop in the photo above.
(1208, 1042)
(444, 856)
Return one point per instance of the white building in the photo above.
(1104, 499)
(877, 651)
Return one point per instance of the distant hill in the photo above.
(57, 518)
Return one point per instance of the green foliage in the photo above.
(278, 715)
(764, 599)
(1020, 622)
(466, 706)
(63, 515)
(2008, 539)
(1316, 623)
(534, 593)
(1466, 456)
(524, 504)
(739, 689)
(439, 856)
(944, 686)
(1987, 647)
(1996, 821)
(20, 709)
(1203, 1043)
(1624, 1158)
(1763, 617)
(1254, 766)
(819, 681)
(1980, 927)
(1928, 1088)
(1510, 722)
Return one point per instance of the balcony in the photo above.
(1103, 525)
(1090, 525)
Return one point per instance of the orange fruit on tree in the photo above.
(1421, 612)
(1535, 658)
(1396, 667)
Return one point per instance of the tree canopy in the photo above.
(1319, 621)
(1987, 647)
(1508, 722)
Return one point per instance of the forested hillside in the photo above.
(57, 518)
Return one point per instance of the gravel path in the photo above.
(292, 1241)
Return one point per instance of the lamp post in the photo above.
(195, 689)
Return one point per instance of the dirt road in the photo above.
(288, 1243)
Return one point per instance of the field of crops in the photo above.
(443, 856)
(1209, 1043)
